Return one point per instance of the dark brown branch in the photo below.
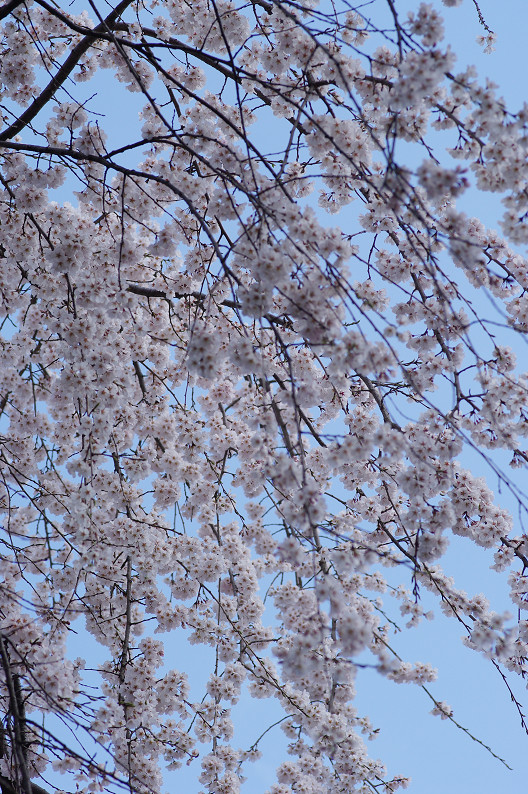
(8, 787)
(141, 379)
(516, 550)
(307, 421)
(21, 711)
(20, 749)
(379, 401)
(128, 615)
(6, 10)
(151, 292)
(147, 292)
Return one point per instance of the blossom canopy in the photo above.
(244, 364)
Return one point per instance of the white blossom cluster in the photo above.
(226, 420)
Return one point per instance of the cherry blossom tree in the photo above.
(228, 418)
